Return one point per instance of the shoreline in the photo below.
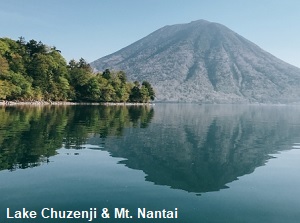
(50, 103)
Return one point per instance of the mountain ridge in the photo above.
(206, 62)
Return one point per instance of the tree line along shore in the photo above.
(42, 103)
(34, 73)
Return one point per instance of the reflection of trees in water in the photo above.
(30, 135)
(201, 149)
(189, 147)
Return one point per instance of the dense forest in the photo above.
(32, 71)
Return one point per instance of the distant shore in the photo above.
(44, 103)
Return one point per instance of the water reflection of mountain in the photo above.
(30, 135)
(190, 147)
(202, 148)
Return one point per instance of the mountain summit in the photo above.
(206, 62)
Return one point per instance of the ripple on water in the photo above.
(296, 146)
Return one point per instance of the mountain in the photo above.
(206, 62)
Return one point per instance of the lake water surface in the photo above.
(211, 163)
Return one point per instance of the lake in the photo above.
(199, 163)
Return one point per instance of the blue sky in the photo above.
(94, 28)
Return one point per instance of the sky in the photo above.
(92, 29)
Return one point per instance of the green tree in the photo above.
(150, 90)
(93, 89)
(135, 94)
(106, 74)
(5, 89)
(79, 77)
(122, 77)
(34, 47)
(144, 94)
(4, 67)
(21, 87)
